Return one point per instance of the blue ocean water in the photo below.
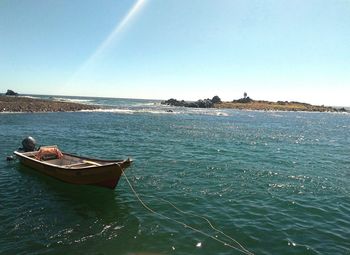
(277, 182)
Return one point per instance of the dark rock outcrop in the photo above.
(11, 93)
(244, 100)
(216, 100)
(174, 102)
(205, 103)
(342, 110)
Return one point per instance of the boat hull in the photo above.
(106, 175)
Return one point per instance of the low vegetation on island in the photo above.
(246, 103)
(12, 102)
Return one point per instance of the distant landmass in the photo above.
(12, 102)
(246, 103)
(15, 103)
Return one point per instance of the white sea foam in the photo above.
(131, 111)
(114, 110)
(32, 97)
(12, 112)
(222, 114)
(72, 100)
(145, 104)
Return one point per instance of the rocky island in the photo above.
(246, 103)
(15, 103)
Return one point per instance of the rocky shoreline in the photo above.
(247, 103)
(26, 104)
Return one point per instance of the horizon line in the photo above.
(154, 99)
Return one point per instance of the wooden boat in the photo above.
(74, 169)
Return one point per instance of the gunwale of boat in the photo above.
(70, 161)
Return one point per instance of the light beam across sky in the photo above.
(109, 41)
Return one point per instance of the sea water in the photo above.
(277, 182)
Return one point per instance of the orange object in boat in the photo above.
(46, 153)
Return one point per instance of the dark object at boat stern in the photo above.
(29, 144)
(10, 158)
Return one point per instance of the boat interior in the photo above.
(67, 161)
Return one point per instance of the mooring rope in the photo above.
(242, 249)
(210, 224)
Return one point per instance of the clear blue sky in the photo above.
(273, 50)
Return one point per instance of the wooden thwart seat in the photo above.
(75, 164)
(84, 162)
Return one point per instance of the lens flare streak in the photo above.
(113, 35)
(110, 40)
